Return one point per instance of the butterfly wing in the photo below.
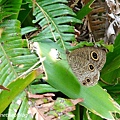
(86, 64)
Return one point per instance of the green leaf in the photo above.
(58, 68)
(53, 17)
(98, 101)
(6, 70)
(27, 29)
(89, 115)
(10, 9)
(19, 108)
(115, 64)
(113, 89)
(85, 10)
(110, 72)
(82, 44)
(23, 111)
(15, 105)
(16, 87)
(41, 88)
(109, 47)
(59, 76)
(14, 52)
(60, 106)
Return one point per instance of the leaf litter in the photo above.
(44, 107)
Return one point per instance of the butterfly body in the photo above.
(86, 64)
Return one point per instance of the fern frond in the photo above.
(15, 105)
(15, 56)
(19, 108)
(9, 9)
(53, 16)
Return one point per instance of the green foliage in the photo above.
(14, 52)
(19, 102)
(16, 87)
(93, 96)
(9, 9)
(19, 60)
(110, 72)
(85, 10)
(28, 29)
(42, 88)
(60, 105)
(53, 16)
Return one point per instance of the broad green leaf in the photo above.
(98, 101)
(89, 115)
(117, 41)
(113, 62)
(59, 76)
(85, 10)
(41, 88)
(113, 89)
(111, 70)
(113, 65)
(111, 77)
(77, 112)
(116, 97)
(16, 87)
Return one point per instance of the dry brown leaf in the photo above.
(77, 100)
(43, 107)
(4, 88)
(35, 112)
(103, 22)
(1, 31)
(113, 27)
(30, 95)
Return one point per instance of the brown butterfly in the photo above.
(86, 64)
